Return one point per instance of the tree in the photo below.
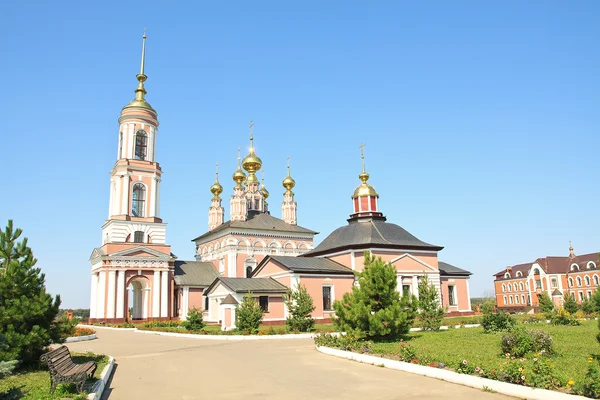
(546, 304)
(248, 315)
(570, 304)
(488, 307)
(27, 312)
(596, 300)
(194, 320)
(374, 308)
(588, 306)
(6, 367)
(300, 306)
(431, 313)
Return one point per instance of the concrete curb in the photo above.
(446, 327)
(509, 389)
(80, 338)
(106, 327)
(234, 337)
(100, 385)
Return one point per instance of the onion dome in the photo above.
(216, 189)
(139, 100)
(289, 182)
(239, 176)
(263, 191)
(251, 162)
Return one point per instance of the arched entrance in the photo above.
(138, 298)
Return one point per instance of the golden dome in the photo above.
(251, 178)
(251, 162)
(364, 190)
(265, 193)
(216, 188)
(239, 176)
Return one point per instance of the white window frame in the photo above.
(332, 295)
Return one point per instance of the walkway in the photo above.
(161, 367)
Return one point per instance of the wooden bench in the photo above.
(64, 370)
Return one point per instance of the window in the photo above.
(528, 299)
(505, 300)
(581, 296)
(591, 265)
(515, 287)
(578, 281)
(510, 299)
(517, 299)
(589, 294)
(452, 295)
(519, 274)
(138, 237)
(250, 265)
(596, 280)
(521, 286)
(554, 283)
(574, 267)
(406, 290)
(507, 275)
(523, 298)
(588, 281)
(536, 271)
(263, 301)
(248, 271)
(138, 200)
(327, 297)
(141, 145)
(503, 288)
(538, 284)
(571, 282)
(206, 303)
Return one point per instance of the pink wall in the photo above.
(461, 297)
(195, 299)
(314, 285)
(276, 308)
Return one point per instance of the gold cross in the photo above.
(217, 170)
(251, 129)
(362, 155)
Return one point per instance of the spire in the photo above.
(139, 100)
(363, 175)
(571, 252)
(251, 136)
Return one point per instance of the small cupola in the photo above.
(365, 197)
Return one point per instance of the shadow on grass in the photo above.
(12, 394)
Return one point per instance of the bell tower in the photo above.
(133, 255)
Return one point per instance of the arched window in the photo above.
(503, 288)
(507, 275)
(591, 265)
(521, 286)
(571, 282)
(141, 145)
(504, 298)
(578, 281)
(574, 267)
(517, 299)
(536, 271)
(519, 274)
(250, 265)
(523, 298)
(510, 299)
(596, 280)
(587, 281)
(515, 287)
(138, 200)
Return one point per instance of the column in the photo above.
(164, 294)
(151, 193)
(157, 196)
(101, 294)
(121, 293)
(93, 294)
(110, 302)
(185, 302)
(116, 208)
(125, 194)
(156, 295)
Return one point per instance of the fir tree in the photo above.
(27, 312)
(431, 313)
(374, 308)
(546, 304)
(596, 300)
(194, 320)
(300, 306)
(570, 304)
(588, 306)
(248, 315)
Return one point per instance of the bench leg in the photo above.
(81, 382)
(53, 385)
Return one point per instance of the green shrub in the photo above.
(596, 300)
(344, 342)
(560, 316)
(590, 386)
(27, 312)
(248, 315)
(431, 313)
(521, 341)
(488, 307)
(498, 321)
(194, 320)
(374, 308)
(300, 306)
(588, 306)
(570, 304)
(546, 304)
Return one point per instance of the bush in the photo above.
(488, 307)
(300, 306)
(522, 341)
(27, 312)
(194, 320)
(560, 316)
(498, 321)
(431, 313)
(596, 300)
(344, 342)
(248, 315)
(546, 304)
(374, 308)
(588, 307)
(570, 304)
(590, 386)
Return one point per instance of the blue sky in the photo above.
(480, 119)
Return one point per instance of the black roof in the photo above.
(447, 269)
(259, 221)
(307, 265)
(194, 273)
(362, 233)
(254, 285)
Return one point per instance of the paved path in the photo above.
(164, 368)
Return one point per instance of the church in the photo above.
(136, 277)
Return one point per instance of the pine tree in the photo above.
(248, 315)
(431, 313)
(300, 306)
(27, 312)
(194, 320)
(374, 308)
(546, 304)
(570, 304)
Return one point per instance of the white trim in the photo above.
(415, 259)
(121, 293)
(156, 295)
(164, 294)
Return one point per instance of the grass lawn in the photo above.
(35, 385)
(263, 330)
(572, 344)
